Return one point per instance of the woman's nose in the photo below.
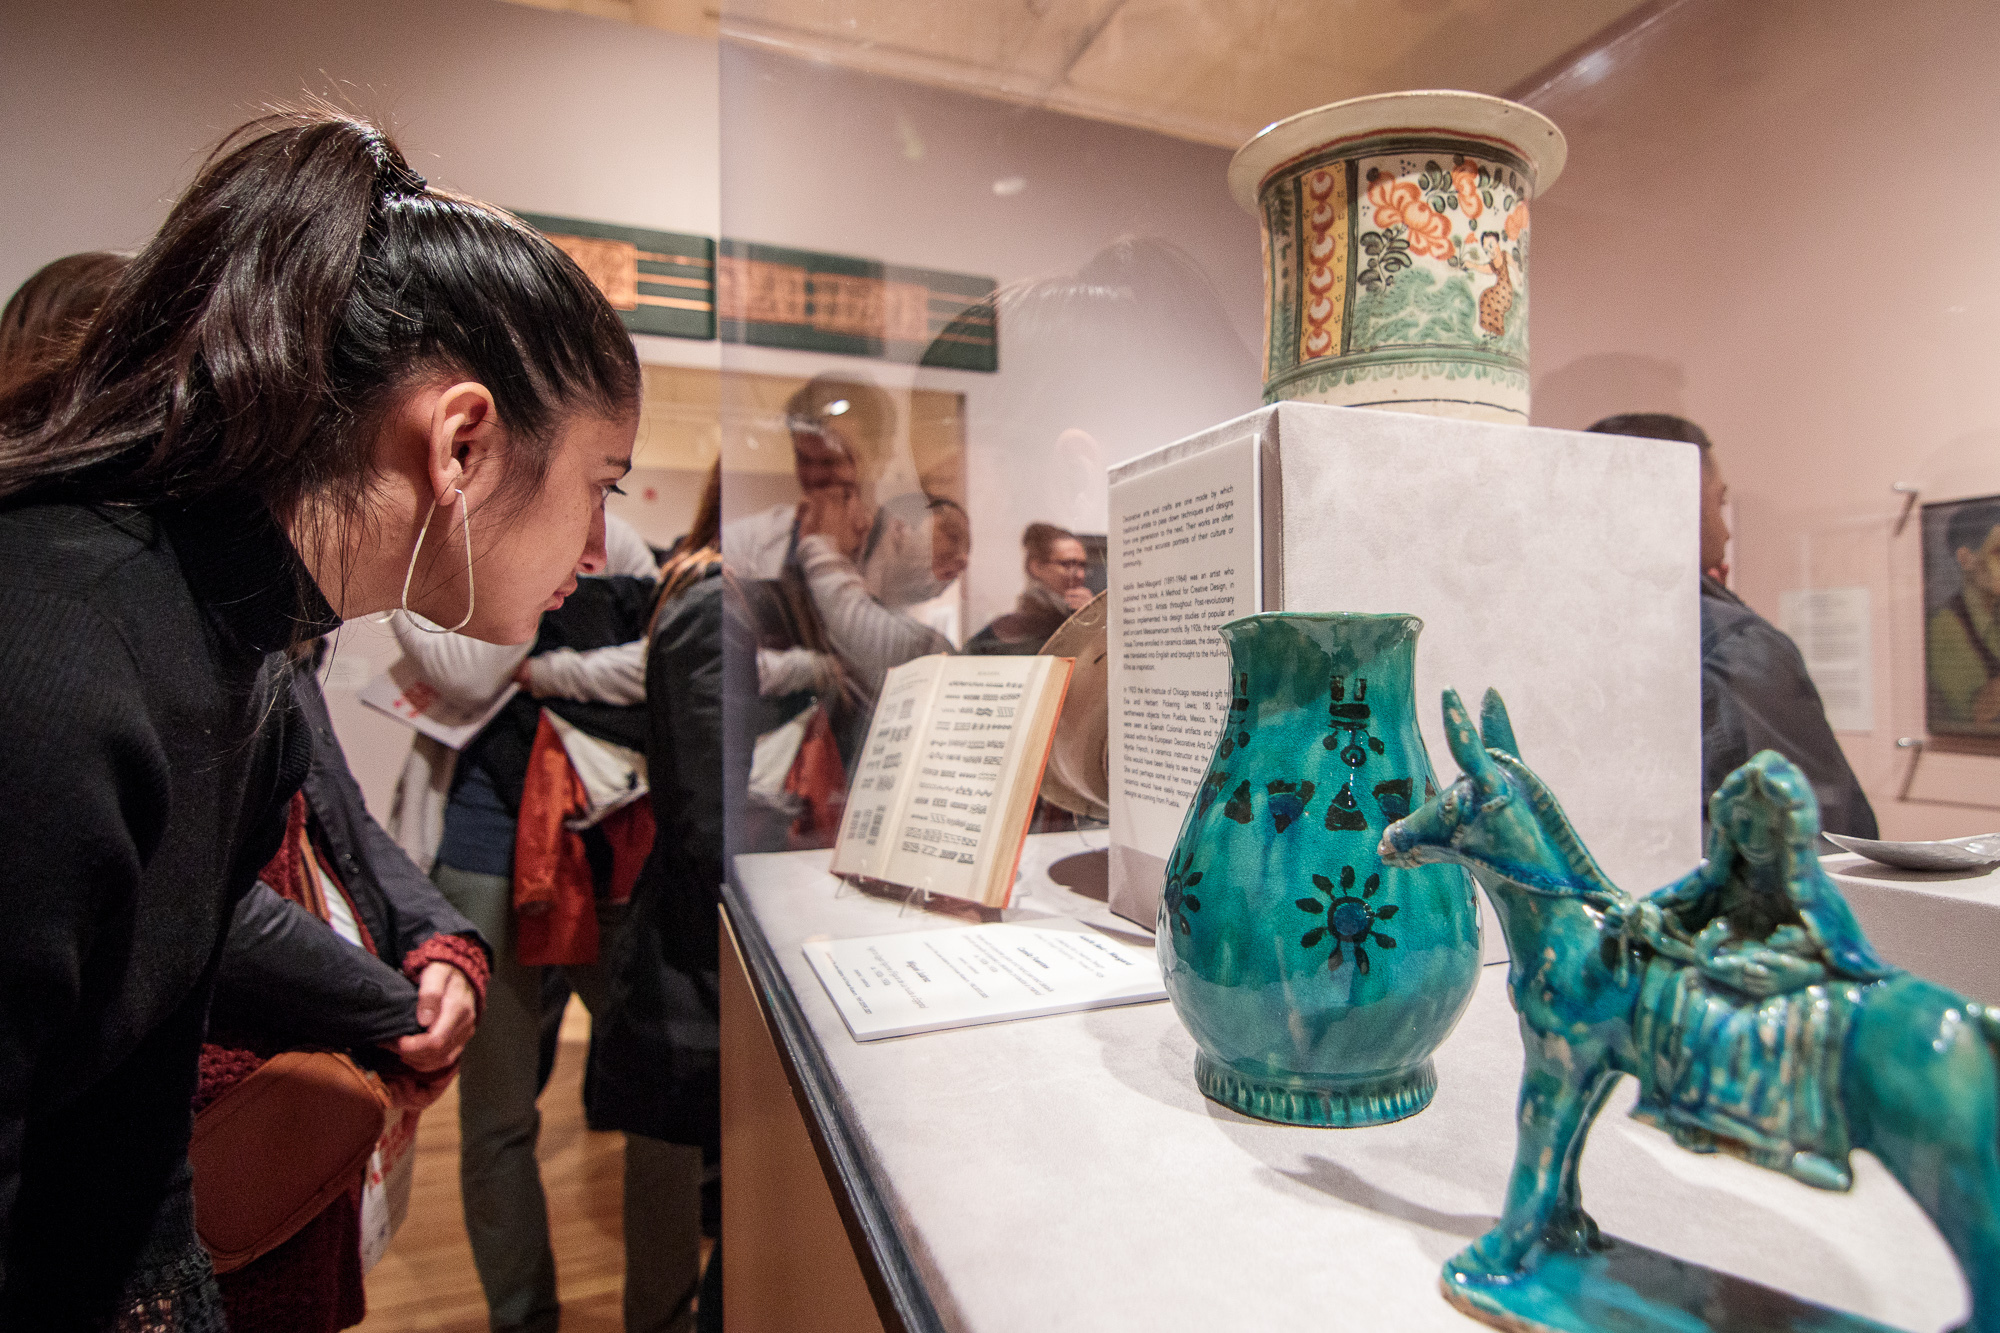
(594, 560)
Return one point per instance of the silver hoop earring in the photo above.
(466, 509)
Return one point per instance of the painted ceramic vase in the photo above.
(1316, 980)
(1396, 251)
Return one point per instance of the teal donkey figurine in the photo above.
(1743, 997)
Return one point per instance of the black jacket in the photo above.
(286, 978)
(603, 611)
(1756, 695)
(656, 1058)
(147, 750)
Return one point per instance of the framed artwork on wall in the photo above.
(1962, 624)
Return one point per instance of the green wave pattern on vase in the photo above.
(1416, 309)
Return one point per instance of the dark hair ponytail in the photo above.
(306, 274)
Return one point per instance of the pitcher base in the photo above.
(1296, 1102)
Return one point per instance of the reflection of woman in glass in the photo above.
(1964, 633)
(1056, 566)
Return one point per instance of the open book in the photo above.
(947, 781)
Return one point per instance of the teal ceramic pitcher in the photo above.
(1316, 980)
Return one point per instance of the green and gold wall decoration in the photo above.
(681, 286)
(771, 296)
(659, 282)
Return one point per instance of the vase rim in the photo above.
(1522, 130)
(1344, 616)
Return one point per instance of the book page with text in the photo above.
(894, 737)
(967, 752)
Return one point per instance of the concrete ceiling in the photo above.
(1215, 71)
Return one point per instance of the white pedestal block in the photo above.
(1557, 566)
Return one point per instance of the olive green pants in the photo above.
(506, 1213)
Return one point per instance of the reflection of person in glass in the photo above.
(840, 430)
(1964, 634)
(833, 536)
(1056, 566)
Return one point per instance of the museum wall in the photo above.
(1777, 220)
(110, 104)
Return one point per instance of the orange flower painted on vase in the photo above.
(1465, 176)
(1401, 201)
(1517, 221)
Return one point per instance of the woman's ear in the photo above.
(464, 445)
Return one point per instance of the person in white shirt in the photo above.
(469, 674)
(854, 557)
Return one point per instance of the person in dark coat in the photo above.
(254, 438)
(1755, 691)
(656, 1052)
(387, 971)
(285, 975)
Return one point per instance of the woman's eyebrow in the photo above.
(624, 465)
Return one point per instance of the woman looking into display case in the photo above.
(288, 413)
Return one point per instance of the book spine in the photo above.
(1068, 668)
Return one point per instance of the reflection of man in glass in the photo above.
(1964, 633)
(1755, 691)
(840, 432)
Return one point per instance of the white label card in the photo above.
(1832, 629)
(1184, 540)
(925, 981)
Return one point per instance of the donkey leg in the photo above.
(1572, 1228)
(1923, 1090)
(1556, 1106)
(1970, 1221)
(1957, 1183)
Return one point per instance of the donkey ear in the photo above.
(1496, 727)
(1466, 746)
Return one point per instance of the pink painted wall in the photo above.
(1781, 220)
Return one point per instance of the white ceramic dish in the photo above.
(1979, 853)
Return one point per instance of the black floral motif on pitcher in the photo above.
(1349, 921)
(1179, 900)
(1286, 801)
(1343, 813)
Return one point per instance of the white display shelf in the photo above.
(1064, 1173)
